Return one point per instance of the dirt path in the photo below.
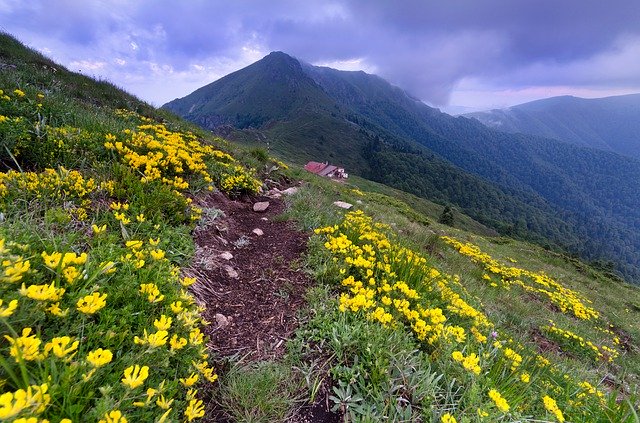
(249, 271)
(250, 278)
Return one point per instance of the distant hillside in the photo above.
(526, 186)
(610, 123)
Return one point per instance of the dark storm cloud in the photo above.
(427, 47)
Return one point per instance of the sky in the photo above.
(458, 55)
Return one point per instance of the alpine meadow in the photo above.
(297, 243)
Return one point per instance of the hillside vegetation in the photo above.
(408, 320)
(609, 123)
(534, 188)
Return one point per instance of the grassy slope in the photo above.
(516, 314)
(94, 312)
(347, 338)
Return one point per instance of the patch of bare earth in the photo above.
(250, 279)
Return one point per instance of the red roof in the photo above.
(315, 167)
(327, 170)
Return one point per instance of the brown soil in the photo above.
(252, 300)
(261, 302)
(546, 345)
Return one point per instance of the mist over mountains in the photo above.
(610, 123)
(556, 193)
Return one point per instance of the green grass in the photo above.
(261, 392)
(374, 371)
(516, 314)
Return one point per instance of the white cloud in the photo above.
(87, 65)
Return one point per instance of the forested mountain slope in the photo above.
(533, 187)
(610, 123)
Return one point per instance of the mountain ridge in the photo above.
(607, 123)
(536, 187)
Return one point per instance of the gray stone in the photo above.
(343, 205)
(290, 191)
(221, 320)
(260, 206)
(231, 272)
(226, 255)
(258, 232)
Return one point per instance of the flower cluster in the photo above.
(572, 341)
(564, 298)
(173, 158)
(395, 286)
(51, 185)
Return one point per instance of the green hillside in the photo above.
(534, 188)
(609, 123)
(105, 284)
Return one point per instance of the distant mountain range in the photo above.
(610, 123)
(527, 186)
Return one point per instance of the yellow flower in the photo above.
(524, 377)
(61, 346)
(551, 405)
(163, 403)
(186, 281)
(194, 410)
(196, 337)
(56, 310)
(134, 244)
(499, 401)
(34, 398)
(42, 292)
(140, 218)
(192, 379)
(164, 417)
(99, 357)
(164, 323)
(176, 307)
(152, 291)
(9, 309)
(26, 346)
(18, 92)
(135, 376)
(177, 343)
(114, 416)
(92, 303)
(448, 418)
(157, 254)
(98, 229)
(158, 339)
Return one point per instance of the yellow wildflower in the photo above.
(135, 376)
(9, 309)
(25, 347)
(499, 401)
(98, 229)
(190, 381)
(164, 323)
(163, 403)
(194, 410)
(176, 307)
(92, 303)
(99, 357)
(448, 418)
(177, 342)
(61, 346)
(551, 405)
(114, 416)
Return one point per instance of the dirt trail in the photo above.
(252, 286)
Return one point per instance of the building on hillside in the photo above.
(327, 170)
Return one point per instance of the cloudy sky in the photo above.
(474, 53)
